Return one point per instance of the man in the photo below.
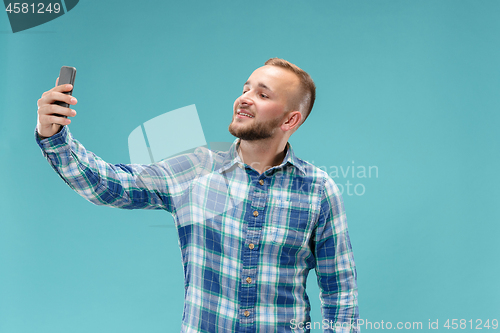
(252, 221)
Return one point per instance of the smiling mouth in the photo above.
(243, 114)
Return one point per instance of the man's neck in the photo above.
(262, 154)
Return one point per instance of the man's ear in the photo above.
(292, 121)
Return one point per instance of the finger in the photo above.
(52, 96)
(57, 80)
(58, 120)
(61, 88)
(61, 110)
(52, 109)
(47, 121)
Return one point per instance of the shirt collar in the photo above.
(233, 158)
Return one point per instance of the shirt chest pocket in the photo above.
(289, 223)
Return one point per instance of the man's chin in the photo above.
(240, 134)
(234, 132)
(249, 135)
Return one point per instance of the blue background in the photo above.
(410, 87)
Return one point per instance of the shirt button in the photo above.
(248, 280)
(255, 213)
(251, 246)
(246, 313)
(261, 182)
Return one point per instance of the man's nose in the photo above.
(246, 99)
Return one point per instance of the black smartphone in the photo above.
(66, 75)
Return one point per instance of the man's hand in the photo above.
(48, 123)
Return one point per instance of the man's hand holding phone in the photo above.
(50, 115)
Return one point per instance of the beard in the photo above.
(255, 130)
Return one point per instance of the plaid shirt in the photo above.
(248, 240)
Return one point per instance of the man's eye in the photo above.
(263, 95)
(244, 91)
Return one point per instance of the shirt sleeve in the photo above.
(335, 268)
(127, 186)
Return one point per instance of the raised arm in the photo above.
(130, 186)
(335, 268)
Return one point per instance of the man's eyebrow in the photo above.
(262, 85)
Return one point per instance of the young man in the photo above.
(252, 221)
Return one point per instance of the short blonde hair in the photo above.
(307, 86)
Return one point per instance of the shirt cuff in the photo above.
(53, 143)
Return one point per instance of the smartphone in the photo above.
(66, 75)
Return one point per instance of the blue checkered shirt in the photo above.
(248, 240)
